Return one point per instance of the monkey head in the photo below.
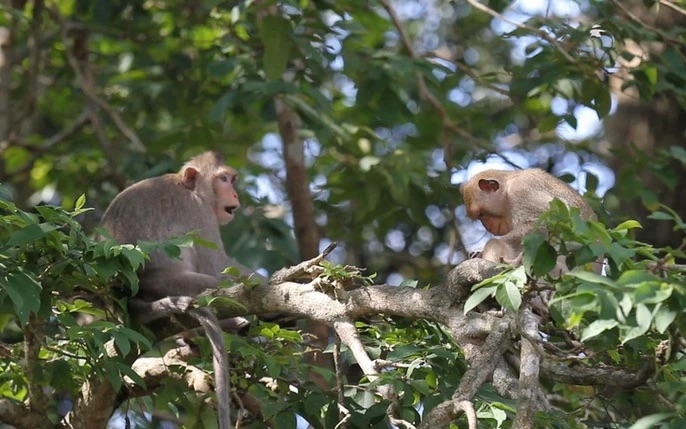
(485, 196)
(208, 177)
(225, 193)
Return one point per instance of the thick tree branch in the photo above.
(33, 341)
(153, 370)
(304, 225)
(598, 375)
(530, 398)
(483, 337)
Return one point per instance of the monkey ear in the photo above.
(188, 177)
(489, 185)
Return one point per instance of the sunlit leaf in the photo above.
(509, 296)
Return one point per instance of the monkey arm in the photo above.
(507, 248)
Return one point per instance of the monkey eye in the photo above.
(227, 178)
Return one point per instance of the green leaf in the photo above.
(591, 277)
(651, 421)
(136, 337)
(628, 224)
(232, 271)
(591, 182)
(122, 343)
(546, 258)
(208, 416)
(678, 153)
(603, 101)
(275, 32)
(530, 244)
(658, 215)
(134, 256)
(509, 296)
(643, 320)
(314, 403)
(548, 123)
(663, 318)
(651, 73)
(478, 297)
(597, 328)
(80, 202)
(273, 367)
(26, 235)
(285, 420)
(24, 292)
(133, 375)
(633, 278)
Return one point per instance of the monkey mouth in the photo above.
(230, 209)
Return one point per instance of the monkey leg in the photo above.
(175, 282)
(505, 249)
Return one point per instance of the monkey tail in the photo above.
(220, 361)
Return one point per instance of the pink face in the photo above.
(225, 194)
(496, 225)
(486, 202)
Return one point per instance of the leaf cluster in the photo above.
(61, 287)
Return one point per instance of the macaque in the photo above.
(508, 204)
(199, 198)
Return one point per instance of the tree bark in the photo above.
(306, 230)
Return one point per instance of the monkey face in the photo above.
(496, 225)
(226, 197)
(486, 201)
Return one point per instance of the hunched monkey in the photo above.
(508, 204)
(199, 198)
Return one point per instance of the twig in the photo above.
(338, 365)
(467, 408)
(296, 271)
(540, 33)
(31, 98)
(346, 419)
(638, 21)
(88, 89)
(424, 92)
(468, 71)
(56, 138)
(673, 6)
(447, 124)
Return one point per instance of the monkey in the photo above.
(508, 204)
(200, 197)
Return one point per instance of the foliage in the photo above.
(57, 286)
(630, 316)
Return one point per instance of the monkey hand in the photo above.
(473, 255)
(147, 311)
